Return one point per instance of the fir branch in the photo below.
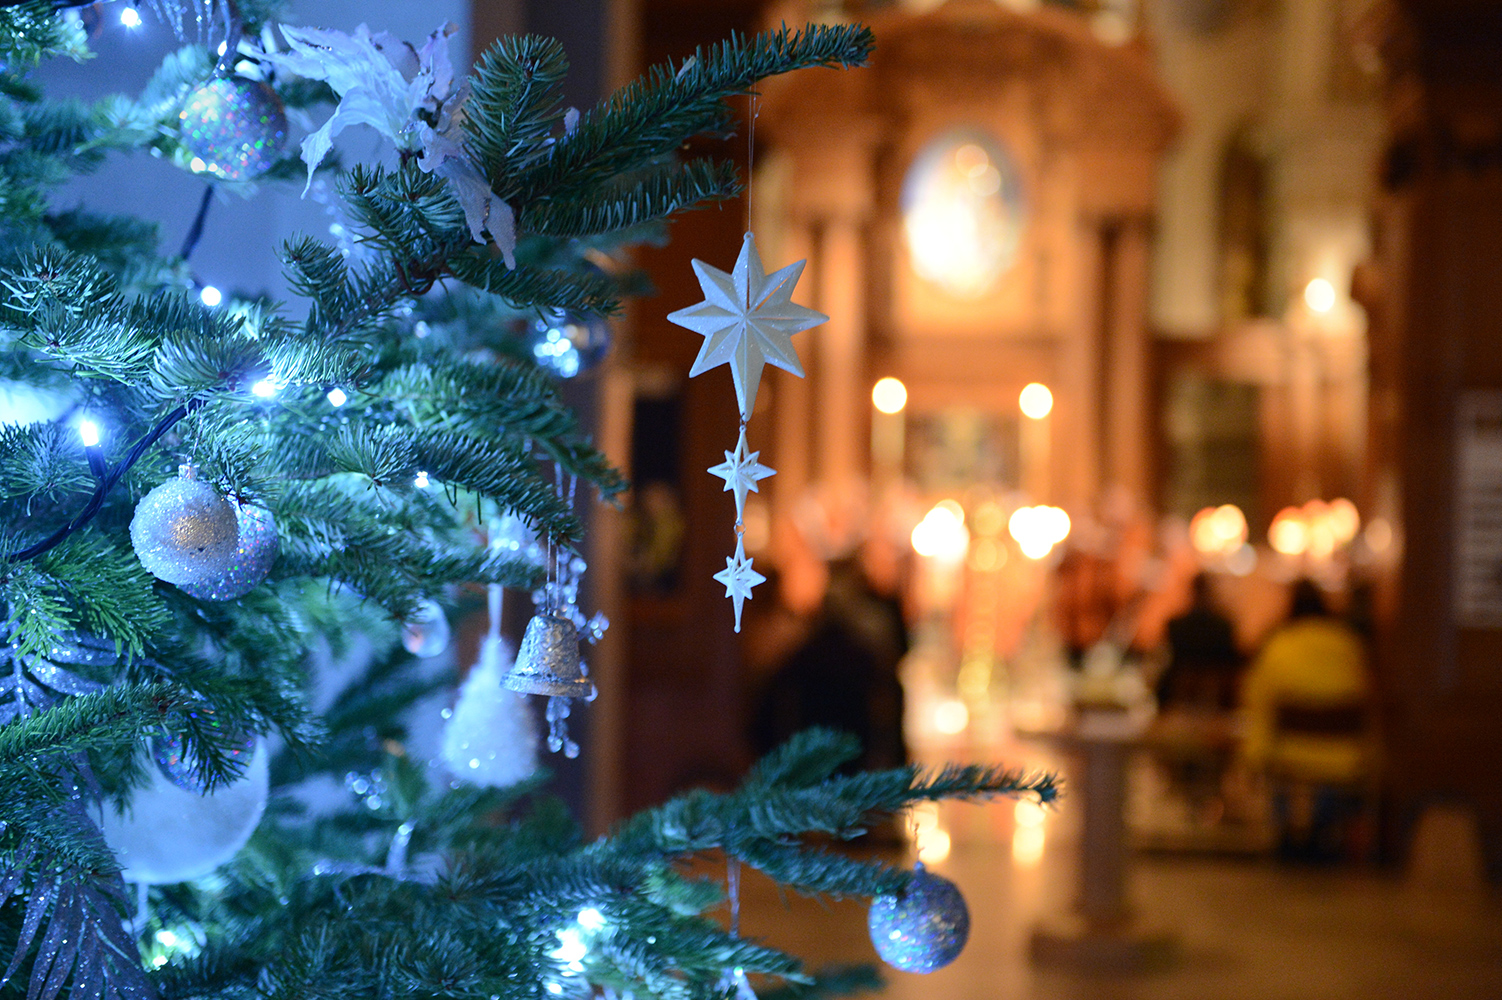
(653, 116)
(86, 723)
(107, 590)
(531, 287)
(515, 106)
(106, 483)
(665, 191)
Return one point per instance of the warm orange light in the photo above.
(942, 532)
(1218, 530)
(1345, 520)
(1288, 533)
(1319, 296)
(951, 716)
(1036, 400)
(889, 395)
(1038, 529)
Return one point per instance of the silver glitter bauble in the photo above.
(426, 633)
(178, 768)
(184, 531)
(922, 929)
(568, 344)
(548, 661)
(252, 560)
(234, 129)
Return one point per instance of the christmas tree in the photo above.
(209, 489)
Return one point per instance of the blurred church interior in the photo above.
(1121, 292)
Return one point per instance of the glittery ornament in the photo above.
(171, 758)
(184, 531)
(234, 128)
(250, 563)
(168, 834)
(922, 929)
(548, 661)
(568, 343)
(490, 738)
(426, 633)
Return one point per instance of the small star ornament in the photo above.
(747, 320)
(738, 578)
(741, 472)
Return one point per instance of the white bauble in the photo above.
(491, 739)
(171, 835)
(184, 531)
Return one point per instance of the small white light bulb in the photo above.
(197, 165)
(88, 433)
(337, 397)
(130, 17)
(266, 388)
(421, 482)
(223, 47)
(210, 296)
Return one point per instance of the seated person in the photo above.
(1203, 661)
(1305, 703)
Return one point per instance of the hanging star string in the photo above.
(747, 320)
(741, 472)
(738, 578)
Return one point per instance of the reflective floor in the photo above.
(1245, 926)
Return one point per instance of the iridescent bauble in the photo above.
(426, 633)
(168, 834)
(184, 531)
(922, 929)
(568, 343)
(234, 129)
(254, 554)
(168, 752)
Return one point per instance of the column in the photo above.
(1126, 379)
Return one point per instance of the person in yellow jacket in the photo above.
(1307, 718)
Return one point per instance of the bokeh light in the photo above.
(889, 395)
(1036, 400)
(1319, 296)
(942, 532)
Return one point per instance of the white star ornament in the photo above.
(747, 320)
(741, 472)
(738, 578)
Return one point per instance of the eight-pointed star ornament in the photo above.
(747, 320)
(741, 472)
(738, 578)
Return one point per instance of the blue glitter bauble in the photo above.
(568, 344)
(251, 562)
(168, 753)
(922, 929)
(234, 129)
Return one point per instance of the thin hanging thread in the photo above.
(496, 593)
(753, 111)
(733, 887)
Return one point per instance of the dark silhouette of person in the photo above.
(1204, 664)
(843, 675)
